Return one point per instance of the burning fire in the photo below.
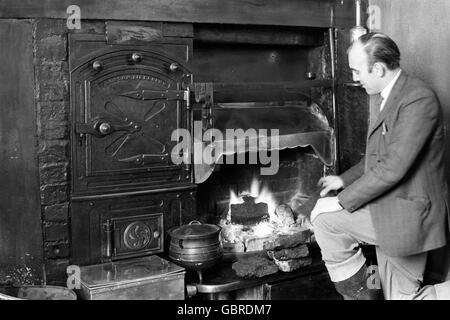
(263, 195)
(260, 195)
(240, 236)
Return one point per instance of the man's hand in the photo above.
(330, 204)
(330, 183)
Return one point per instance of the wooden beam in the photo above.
(309, 13)
(258, 35)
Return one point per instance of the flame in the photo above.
(234, 199)
(260, 195)
(267, 197)
(254, 188)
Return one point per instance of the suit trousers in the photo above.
(339, 235)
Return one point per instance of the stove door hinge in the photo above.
(169, 95)
(204, 94)
(187, 97)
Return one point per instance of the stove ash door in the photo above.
(126, 103)
(118, 227)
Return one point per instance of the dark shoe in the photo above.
(355, 287)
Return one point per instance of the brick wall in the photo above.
(53, 107)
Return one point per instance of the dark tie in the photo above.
(375, 109)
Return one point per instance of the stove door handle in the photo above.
(108, 227)
(104, 128)
(101, 128)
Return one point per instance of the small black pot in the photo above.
(196, 246)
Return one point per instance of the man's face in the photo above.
(358, 62)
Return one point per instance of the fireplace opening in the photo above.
(251, 207)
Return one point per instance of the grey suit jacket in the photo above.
(402, 176)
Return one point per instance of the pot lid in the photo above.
(195, 229)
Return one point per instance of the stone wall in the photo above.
(53, 108)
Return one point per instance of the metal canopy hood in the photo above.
(257, 108)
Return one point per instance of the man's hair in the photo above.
(380, 48)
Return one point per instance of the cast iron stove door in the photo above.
(125, 105)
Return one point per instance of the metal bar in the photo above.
(332, 39)
(218, 86)
(133, 193)
(263, 92)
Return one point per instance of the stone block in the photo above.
(254, 267)
(53, 91)
(53, 151)
(57, 213)
(48, 27)
(293, 264)
(52, 78)
(53, 111)
(285, 215)
(53, 194)
(56, 271)
(53, 173)
(52, 48)
(255, 243)
(54, 130)
(57, 250)
(52, 71)
(56, 232)
(297, 236)
(300, 251)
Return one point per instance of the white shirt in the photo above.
(387, 90)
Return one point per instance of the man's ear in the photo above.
(380, 69)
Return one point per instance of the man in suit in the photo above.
(396, 197)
